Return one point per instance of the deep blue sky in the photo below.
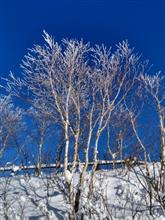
(142, 22)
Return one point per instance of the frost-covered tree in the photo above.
(40, 128)
(10, 123)
(82, 87)
(155, 88)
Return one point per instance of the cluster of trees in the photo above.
(86, 102)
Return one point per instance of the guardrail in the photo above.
(15, 168)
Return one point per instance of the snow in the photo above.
(15, 168)
(23, 199)
(68, 176)
(41, 198)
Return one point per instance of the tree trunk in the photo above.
(162, 151)
(66, 134)
(66, 149)
(39, 162)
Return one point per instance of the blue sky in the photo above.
(142, 22)
(22, 22)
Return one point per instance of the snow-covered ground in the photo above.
(117, 195)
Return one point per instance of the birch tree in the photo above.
(115, 76)
(11, 122)
(81, 86)
(40, 128)
(155, 87)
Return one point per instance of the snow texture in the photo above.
(115, 193)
